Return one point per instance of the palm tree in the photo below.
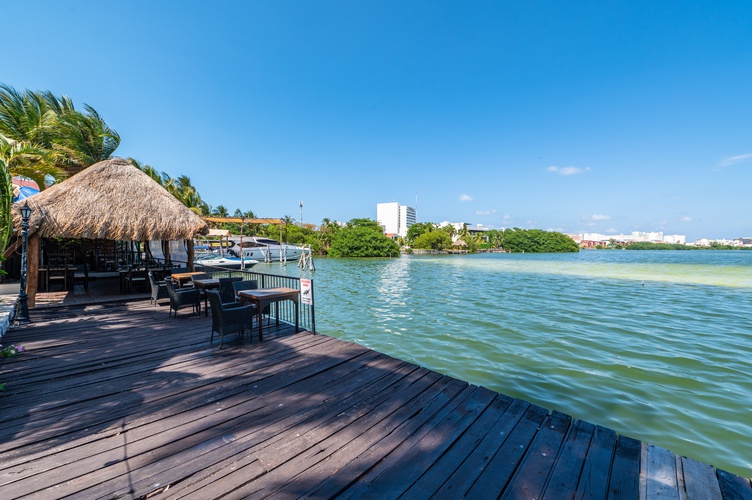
(181, 188)
(220, 211)
(26, 125)
(327, 231)
(45, 135)
(25, 117)
(184, 191)
(464, 233)
(148, 170)
(28, 160)
(496, 238)
(82, 139)
(287, 221)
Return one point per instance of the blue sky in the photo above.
(574, 116)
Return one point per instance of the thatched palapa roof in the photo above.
(111, 200)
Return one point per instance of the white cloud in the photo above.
(686, 218)
(466, 197)
(734, 160)
(485, 212)
(601, 217)
(568, 170)
(612, 230)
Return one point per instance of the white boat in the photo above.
(268, 250)
(215, 260)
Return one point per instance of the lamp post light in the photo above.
(23, 315)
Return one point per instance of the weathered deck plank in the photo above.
(122, 401)
(454, 483)
(699, 480)
(596, 471)
(531, 477)
(625, 470)
(567, 471)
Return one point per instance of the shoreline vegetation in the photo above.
(429, 237)
(646, 245)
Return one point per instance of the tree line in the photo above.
(365, 238)
(431, 236)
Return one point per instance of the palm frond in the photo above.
(6, 200)
(29, 160)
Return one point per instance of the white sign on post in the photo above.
(306, 291)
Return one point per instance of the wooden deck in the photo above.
(119, 400)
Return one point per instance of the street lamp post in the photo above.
(23, 315)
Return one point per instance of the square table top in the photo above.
(206, 282)
(267, 292)
(185, 275)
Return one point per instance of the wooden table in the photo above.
(181, 278)
(206, 284)
(263, 297)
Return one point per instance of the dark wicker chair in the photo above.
(229, 318)
(137, 279)
(237, 286)
(183, 298)
(81, 275)
(158, 290)
(250, 285)
(226, 291)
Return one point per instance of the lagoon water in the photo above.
(656, 345)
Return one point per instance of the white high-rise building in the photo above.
(395, 218)
(680, 239)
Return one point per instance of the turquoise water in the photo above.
(655, 345)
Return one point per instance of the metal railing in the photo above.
(285, 309)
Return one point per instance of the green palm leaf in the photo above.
(6, 200)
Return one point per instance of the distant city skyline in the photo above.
(587, 117)
(390, 215)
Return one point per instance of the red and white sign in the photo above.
(306, 291)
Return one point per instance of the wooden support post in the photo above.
(33, 251)
(190, 253)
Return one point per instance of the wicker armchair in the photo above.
(230, 318)
(226, 290)
(183, 298)
(158, 290)
(251, 285)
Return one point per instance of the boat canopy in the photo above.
(221, 233)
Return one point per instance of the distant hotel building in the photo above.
(593, 239)
(395, 218)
